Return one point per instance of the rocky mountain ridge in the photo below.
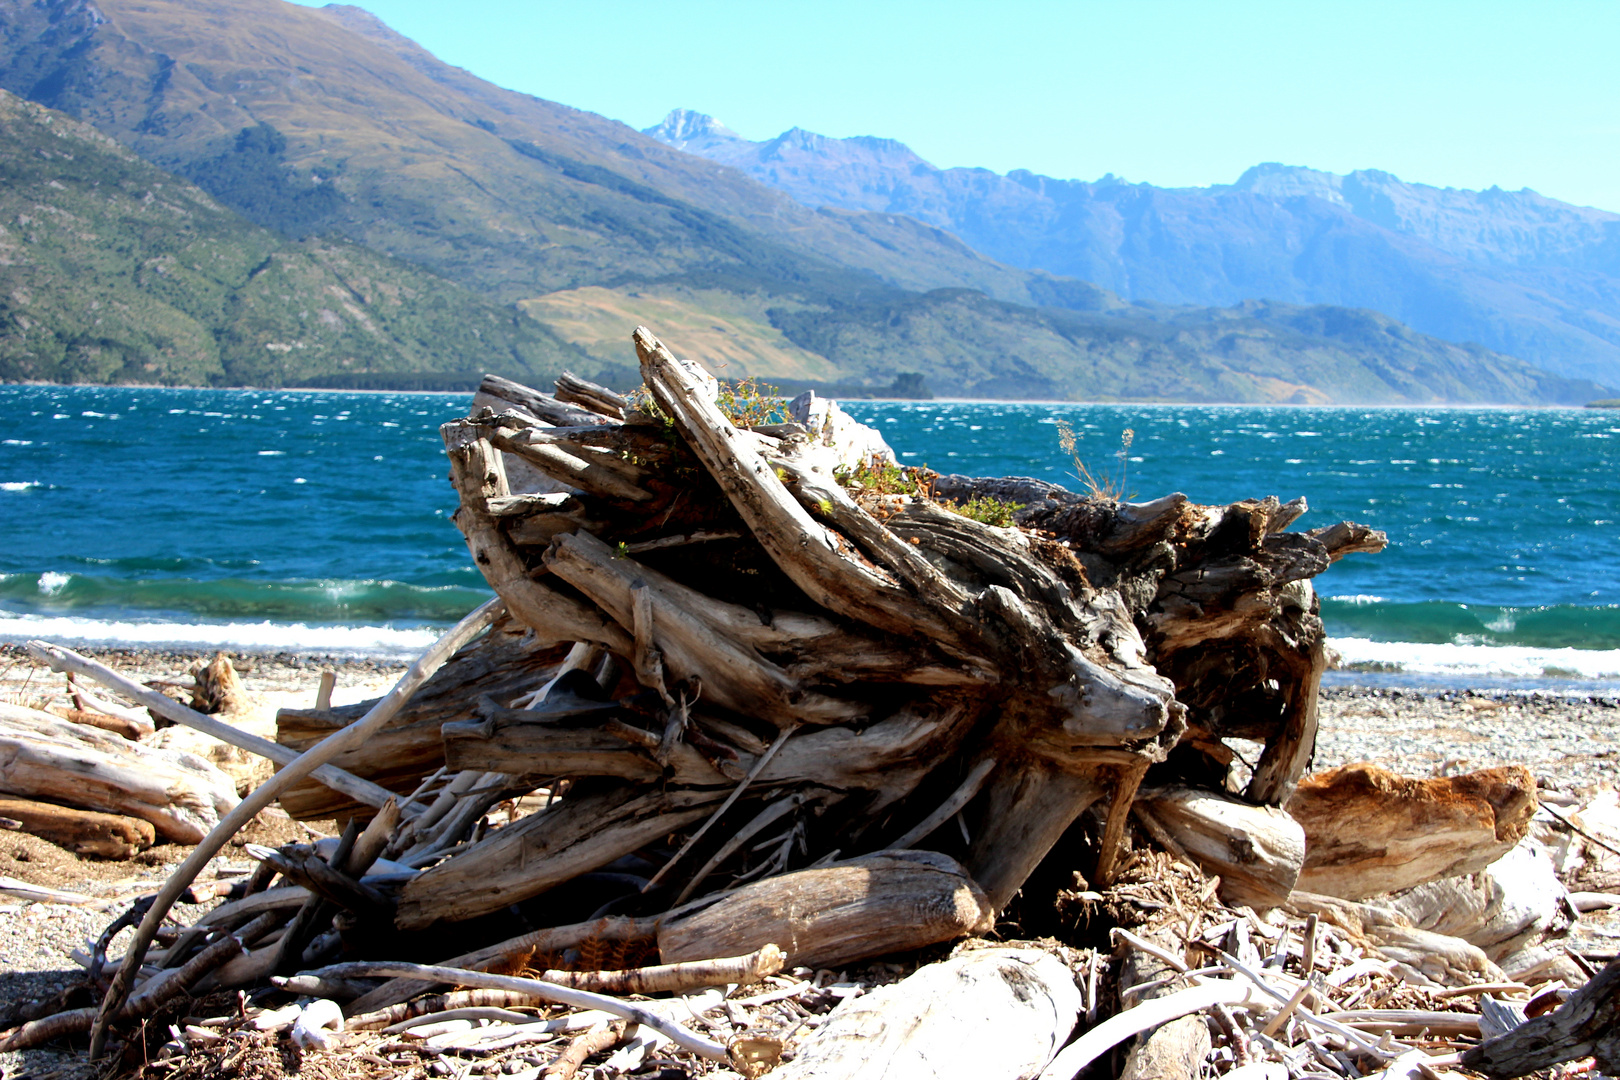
(1516, 271)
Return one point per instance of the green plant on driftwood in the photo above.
(1105, 486)
(879, 477)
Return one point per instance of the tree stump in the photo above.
(783, 650)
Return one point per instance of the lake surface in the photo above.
(319, 521)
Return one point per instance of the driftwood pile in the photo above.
(756, 707)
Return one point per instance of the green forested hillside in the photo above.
(112, 270)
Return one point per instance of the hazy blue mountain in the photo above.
(1513, 270)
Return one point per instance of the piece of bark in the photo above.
(1587, 1025)
(313, 873)
(40, 894)
(118, 725)
(1371, 832)
(84, 832)
(218, 689)
(993, 1014)
(515, 954)
(667, 978)
(86, 701)
(539, 405)
(1257, 851)
(598, 1040)
(1298, 673)
(45, 757)
(835, 915)
(573, 390)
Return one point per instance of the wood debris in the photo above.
(756, 708)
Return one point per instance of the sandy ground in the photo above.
(1570, 743)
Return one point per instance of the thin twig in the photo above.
(958, 799)
(759, 767)
(562, 995)
(1350, 1034)
(765, 817)
(1148, 947)
(1574, 828)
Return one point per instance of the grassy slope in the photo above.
(113, 271)
(730, 331)
(966, 344)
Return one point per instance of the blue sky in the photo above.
(1169, 92)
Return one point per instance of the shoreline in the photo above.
(1350, 677)
(1475, 405)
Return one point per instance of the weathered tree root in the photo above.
(768, 637)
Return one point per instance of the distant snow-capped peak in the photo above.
(687, 129)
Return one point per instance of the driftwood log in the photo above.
(1587, 1025)
(742, 650)
(999, 1014)
(886, 903)
(84, 832)
(1372, 832)
(45, 757)
(1256, 851)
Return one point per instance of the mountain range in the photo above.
(253, 192)
(1513, 270)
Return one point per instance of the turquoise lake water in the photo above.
(319, 521)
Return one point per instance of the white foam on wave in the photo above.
(1508, 661)
(19, 485)
(259, 637)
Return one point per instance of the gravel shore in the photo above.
(1569, 742)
